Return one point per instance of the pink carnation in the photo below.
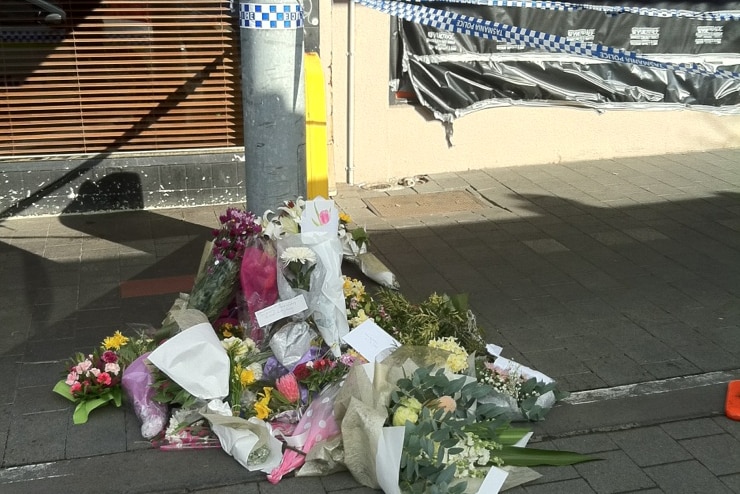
(75, 388)
(71, 378)
(109, 357)
(288, 387)
(112, 368)
(83, 366)
(104, 379)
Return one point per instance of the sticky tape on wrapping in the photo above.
(722, 15)
(487, 29)
(270, 16)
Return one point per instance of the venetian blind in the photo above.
(121, 76)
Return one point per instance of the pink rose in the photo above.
(104, 379)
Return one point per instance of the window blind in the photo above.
(120, 76)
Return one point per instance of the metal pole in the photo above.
(274, 102)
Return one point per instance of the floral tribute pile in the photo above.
(288, 365)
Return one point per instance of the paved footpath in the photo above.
(618, 278)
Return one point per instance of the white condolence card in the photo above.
(370, 340)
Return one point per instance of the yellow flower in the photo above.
(403, 415)
(261, 410)
(344, 218)
(353, 288)
(266, 395)
(359, 319)
(115, 342)
(457, 361)
(226, 330)
(246, 377)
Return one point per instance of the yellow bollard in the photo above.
(317, 158)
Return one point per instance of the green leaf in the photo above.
(511, 435)
(83, 409)
(530, 457)
(62, 389)
(447, 474)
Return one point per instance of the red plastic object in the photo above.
(732, 404)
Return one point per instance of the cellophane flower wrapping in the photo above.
(291, 343)
(325, 298)
(217, 280)
(318, 424)
(214, 286)
(137, 383)
(258, 278)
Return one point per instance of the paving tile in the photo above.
(615, 472)
(719, 453)
(685, 429)
(617, 370)
(731, 426)
(104, 433)
(648, 446)
(34, 438)
(572, 486)
(686, 477)
(731, 481)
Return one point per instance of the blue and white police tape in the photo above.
(487, 29)
(718, 15)
(270, 16)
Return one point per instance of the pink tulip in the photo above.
(324, 217)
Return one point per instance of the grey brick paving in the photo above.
(686, 477)
(597, 273)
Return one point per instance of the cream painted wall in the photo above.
(396, 141)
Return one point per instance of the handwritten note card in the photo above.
(279, 310)
(370, 340)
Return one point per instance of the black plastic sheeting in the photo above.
(454, 74)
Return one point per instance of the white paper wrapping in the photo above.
(196, 360)
(240, 437)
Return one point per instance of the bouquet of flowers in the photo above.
(419, 429)
(216, 281)
(258, 276)
(519, 392)
(313, 260)
(94, 379)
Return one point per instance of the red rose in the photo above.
(301, 372)
(323, 364)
